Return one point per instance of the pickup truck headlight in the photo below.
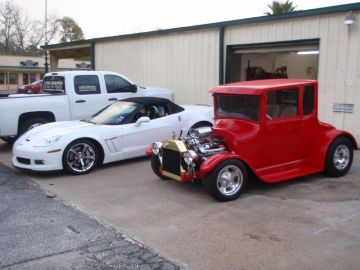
(190, 156)
(47, 141)
(156, 146)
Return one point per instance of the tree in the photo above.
(7, 29)
(278, 7)
(70, 30)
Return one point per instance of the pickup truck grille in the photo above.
(23, 160)
(171, 161)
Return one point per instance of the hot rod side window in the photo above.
(242, 106)
(282, 104)
(308, 102)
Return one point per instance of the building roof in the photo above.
(257, 87)
(291, 15)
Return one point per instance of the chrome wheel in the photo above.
(341, 157)
(81, 157)
(229, 180)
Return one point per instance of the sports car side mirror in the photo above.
(143, 119)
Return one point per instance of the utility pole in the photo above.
(46, 42)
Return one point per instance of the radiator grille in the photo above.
(171, 161)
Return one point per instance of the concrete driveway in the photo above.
(308, 223)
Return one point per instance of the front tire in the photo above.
(29, 91)
(339, 157)
(155, 166)
(80, 157)
(227, 180)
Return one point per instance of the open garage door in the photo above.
(294, 59)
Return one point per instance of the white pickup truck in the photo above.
(67, 95)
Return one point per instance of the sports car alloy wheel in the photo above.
(80, 157)
(227, 180)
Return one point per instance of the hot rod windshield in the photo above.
(239, 106)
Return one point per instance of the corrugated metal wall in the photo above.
(339, 59)
(186, 62)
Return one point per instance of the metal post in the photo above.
(46, 42)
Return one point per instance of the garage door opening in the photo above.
(273, 60)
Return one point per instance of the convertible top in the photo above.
(150, 101)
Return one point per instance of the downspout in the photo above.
(92, 55)
(221, 54)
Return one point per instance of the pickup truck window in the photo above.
(308, 102)
(282, 104)
(239, 106)
(87, 84)
(116, 84)
(53, 84)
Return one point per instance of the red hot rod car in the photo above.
(268, 127)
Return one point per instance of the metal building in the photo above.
(322, 44)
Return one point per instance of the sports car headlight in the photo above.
(156, 146)
(190, 156)
(47, 141)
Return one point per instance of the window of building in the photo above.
(87, 84)
(282, 104)
(308, 102)
(32, 77)
(13, 78)
(2, 78)
(116, 84)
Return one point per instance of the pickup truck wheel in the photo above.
(339, 157)
(9, 139)
(32, 123)
(80, 157)
(227, 180)
(155, 166)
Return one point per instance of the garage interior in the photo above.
(273, 60)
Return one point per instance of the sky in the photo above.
(101, 18)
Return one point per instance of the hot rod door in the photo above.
(284, 130)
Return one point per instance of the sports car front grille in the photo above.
(171, 161)
(23, 160)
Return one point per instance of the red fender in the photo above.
(209, 164)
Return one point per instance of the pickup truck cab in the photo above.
(268, 128)
(67, 95)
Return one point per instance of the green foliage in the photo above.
(70, 30)
(279, 7)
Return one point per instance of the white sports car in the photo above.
(120, 131)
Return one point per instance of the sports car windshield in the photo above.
(239, 106)
(116, 114)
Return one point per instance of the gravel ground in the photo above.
(37, 231)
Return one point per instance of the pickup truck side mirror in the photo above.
(133, 88)
(143, 119)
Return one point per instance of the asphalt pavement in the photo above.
(38, 231)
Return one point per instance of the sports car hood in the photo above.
(56, 128)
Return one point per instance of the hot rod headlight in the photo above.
(47, 141)
(190, 156)
(156, 146)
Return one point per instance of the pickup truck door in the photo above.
(135, 138)
(87, 98)
(118, 88)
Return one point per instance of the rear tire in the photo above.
(9, 139)
(155, 166)
(339, 157)
(32, 123)
(227, 180)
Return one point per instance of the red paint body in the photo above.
(278, 149)
(32, 88)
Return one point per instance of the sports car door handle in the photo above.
(80, 101)
(112, 99)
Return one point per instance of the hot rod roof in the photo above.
(258, 86)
